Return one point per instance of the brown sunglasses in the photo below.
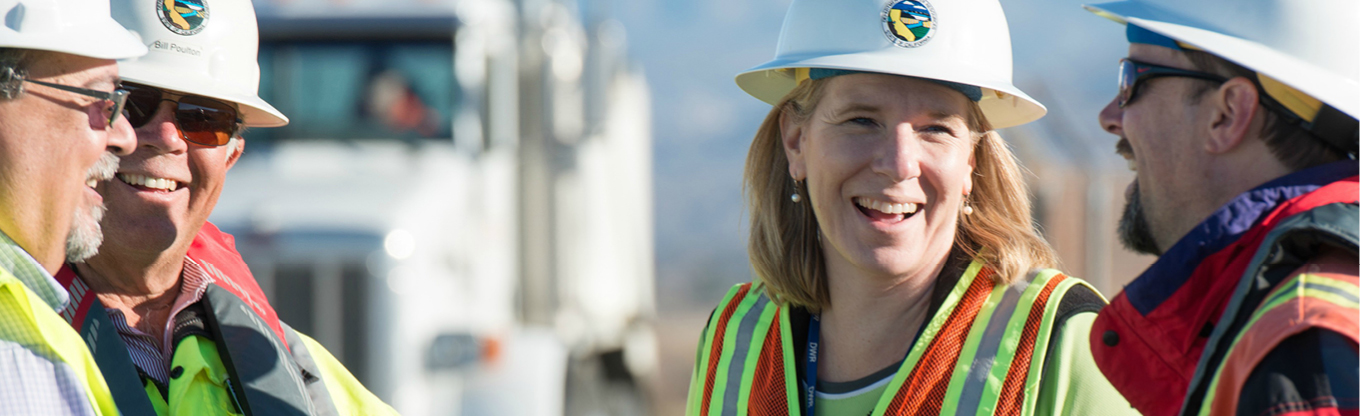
(200, 120)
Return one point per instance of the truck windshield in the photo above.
(399, 89)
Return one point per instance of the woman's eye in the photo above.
(862, 121)
(938, 129)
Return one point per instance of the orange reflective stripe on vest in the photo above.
(923, 391)
(1324, 296)
(769, 387)
(716, 351)
(1012, 393)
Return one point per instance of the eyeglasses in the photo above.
(117, 98)
(1132, 73)
(200, 120)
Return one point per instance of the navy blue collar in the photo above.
(1223, 228)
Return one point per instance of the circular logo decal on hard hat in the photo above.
(184, 17)
(909, 23)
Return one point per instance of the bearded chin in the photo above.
(1133, 227)
(86, 235)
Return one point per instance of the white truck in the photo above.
(461, 208)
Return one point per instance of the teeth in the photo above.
(1133, 166)
(153, 183)
(886, 208)
(91, 182)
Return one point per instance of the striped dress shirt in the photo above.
(153, 355)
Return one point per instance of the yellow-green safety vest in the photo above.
(982, 353)
(27, 320)
(303, 379)
(199, 381)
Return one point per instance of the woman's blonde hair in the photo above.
(785, 245)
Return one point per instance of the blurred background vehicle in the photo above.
(460, 210)
(463, 208)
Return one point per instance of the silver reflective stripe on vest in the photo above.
(739, 353)
(988, 346)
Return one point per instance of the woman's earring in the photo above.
(795, 197)
(967, 208)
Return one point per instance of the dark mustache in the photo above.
(1123, 148)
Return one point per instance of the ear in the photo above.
(791, 135)
(1233, 108)
(972, 165)
(236, 152)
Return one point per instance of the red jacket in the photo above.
(216, 249)
(1150, 339)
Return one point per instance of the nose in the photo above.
(121, 138)
(160, 133)
(1112, 118)
(899, 157)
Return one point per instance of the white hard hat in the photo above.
(77, 27)
(960, 41)
(201, 47)
(1310, 45)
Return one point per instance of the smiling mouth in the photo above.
(102, 170)
(885, 211)
(147, 182)
(1123, 148)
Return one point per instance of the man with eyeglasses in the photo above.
(1239, 118)
(190, 331)
(61, 130)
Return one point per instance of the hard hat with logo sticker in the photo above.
(200, 47)
(957, 41)
(1305, 52)
(77, 27)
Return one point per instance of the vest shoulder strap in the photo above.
(1320, 295)
(267, 378)
(215, 251)
(311, 372)
(989, 350)
(1299, 238)
(745, 359)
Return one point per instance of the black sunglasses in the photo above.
(1132, 73)
(117, 98)
(200, 120)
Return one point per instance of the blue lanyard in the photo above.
(810, 361)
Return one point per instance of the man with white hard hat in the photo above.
(61, 130)
(1239, 118)
(190, 331)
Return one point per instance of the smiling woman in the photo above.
(785, 239)
(897, 267)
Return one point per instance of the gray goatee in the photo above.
(85, 237)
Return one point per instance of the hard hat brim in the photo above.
(255, 112)
(1334, 89)
(1002, 103)
(107, 40)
